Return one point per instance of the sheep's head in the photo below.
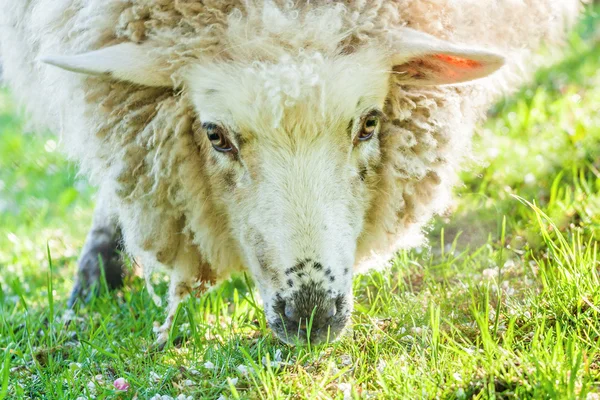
(292, 151)
(294, 154)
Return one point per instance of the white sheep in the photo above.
(302, 141)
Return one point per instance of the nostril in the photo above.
(290, 312)
(331, 312)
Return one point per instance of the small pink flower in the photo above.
(121, 384)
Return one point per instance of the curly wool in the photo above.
(139, 142)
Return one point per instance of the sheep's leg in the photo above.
(101, 253)
(186, 276)
(178, 292)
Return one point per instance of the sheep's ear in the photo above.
(126, 61)
(422, 59)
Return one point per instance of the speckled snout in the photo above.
(311, 314)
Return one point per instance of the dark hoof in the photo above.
(104, 257)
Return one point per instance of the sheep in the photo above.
(303, 141)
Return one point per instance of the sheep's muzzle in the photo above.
(310, 314)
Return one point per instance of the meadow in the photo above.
(503, 303)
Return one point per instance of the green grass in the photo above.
(505, 303)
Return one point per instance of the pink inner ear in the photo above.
(459, 62)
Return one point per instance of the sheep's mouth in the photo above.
(297, 334)
(322, 323)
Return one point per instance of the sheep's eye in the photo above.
(369, 127)
(218, 138)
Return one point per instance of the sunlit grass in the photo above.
(503, 304)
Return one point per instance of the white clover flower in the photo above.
(346, 389)
(277, 360)
(244, 370)
(155, 377)
(381, 365)
(209, 365)
(346, 360)
(233, 381)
